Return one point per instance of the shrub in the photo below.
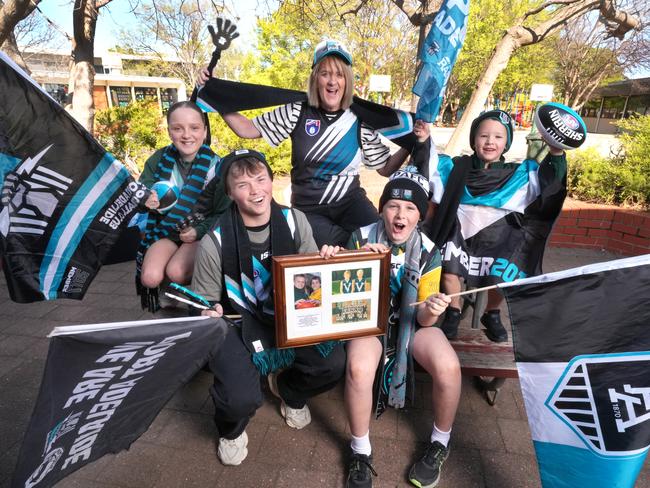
(131, 133)
(623, 179)
(225, 140)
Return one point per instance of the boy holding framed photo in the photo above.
(233, 271)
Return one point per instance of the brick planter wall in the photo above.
(591, 226)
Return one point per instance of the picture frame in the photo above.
(339, 298)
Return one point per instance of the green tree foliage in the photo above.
(131, 133)
(488, 19)
(623, 179)
(224, 141)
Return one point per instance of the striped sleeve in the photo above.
(375, 152)
(278, 124)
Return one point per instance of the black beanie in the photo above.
(227, 160)
(409, 185)
(499, 116)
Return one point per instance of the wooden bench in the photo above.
(489, 362)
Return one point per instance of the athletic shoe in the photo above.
(426, 472)
(496, 332)
(450, 324)
(360, 471)
(232, 452)
(296, 418)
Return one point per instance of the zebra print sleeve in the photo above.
(375, 152)
(278, 124)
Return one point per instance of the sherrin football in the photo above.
(168, 194)
(560, 126)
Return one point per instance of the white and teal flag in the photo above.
(582, 346)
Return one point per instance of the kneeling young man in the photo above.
(253, 229)
(415, 276)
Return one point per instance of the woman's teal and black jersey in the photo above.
(328, 149)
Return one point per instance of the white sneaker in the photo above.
(296, 418)
(233, 452)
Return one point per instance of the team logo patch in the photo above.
(570, 121)
(605, 400)
(312, 127)
(30, 195)
(505, 118)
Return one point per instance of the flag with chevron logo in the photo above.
(582, 346)
(64, 199)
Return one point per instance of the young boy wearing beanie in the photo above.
(415, 277)
(489, 189)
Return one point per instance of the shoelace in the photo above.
(434, 455)
(358, 463)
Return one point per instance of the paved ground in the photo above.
(491, 445)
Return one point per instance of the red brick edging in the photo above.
(591, 226)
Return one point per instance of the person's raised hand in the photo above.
(422, 130)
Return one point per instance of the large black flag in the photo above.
(582, 346)
(102, 389)
(64, 198)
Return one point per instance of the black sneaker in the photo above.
(496, 332)
(450, 323)
(426, 472)
(360, 471)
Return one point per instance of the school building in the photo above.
(614, 102)
(119, 79)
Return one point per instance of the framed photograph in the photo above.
(342, 297)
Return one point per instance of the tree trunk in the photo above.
(12, 12)
(618, 24)
(82, 72)
(498, 62)
(11, 48)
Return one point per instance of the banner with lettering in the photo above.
(64, 199)
(102, 387)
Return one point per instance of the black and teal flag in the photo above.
(582, 347)
(102, 387)
(64, 199)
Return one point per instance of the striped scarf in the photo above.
(166, 226)
(258, 320)
(402, 363)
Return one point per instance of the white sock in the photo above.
(361, 445)
(440, 436)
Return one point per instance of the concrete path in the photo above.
(491, 446)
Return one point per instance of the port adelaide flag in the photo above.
(64, 199)
(102, 387)
(582, 346)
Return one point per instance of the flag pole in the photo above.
(466, 292)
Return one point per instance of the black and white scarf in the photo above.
(258, 320)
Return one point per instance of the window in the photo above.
(168, 96)
(120, 95)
